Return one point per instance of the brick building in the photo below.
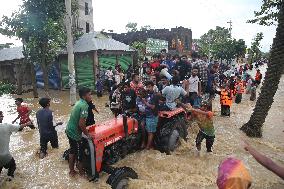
(179, 38)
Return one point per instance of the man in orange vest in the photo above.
(239, 90)
(258, 77)
(225, 101)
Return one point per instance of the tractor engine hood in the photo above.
(112, 130)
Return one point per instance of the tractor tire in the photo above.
(173, 141)
(120, 177)
(182, 128)
(178, 131)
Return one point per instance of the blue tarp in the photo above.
(53, 76)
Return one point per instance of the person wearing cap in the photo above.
(6, 159)
(23, 113)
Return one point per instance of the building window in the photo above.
(87, 27)
(86, 9)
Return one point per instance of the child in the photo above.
(115, 104)
(225, 100)
(24, 113)
(205, 123)
(151, 113)
(47, 130)
(99, 86)
(239, 90)
(253, 92)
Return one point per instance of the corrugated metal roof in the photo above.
(95, 41)
(87, 42)
(13, 53)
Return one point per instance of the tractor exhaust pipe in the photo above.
(125, 126)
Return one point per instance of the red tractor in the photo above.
(114, 139)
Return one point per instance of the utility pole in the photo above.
(230, 29)
(70, 50)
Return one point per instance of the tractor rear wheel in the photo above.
(178, 131)
(120, 177)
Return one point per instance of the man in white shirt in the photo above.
(172, 93)
(6, 159)
(193, 87)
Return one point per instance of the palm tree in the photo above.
(253, 127)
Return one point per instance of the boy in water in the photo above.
(205, 123)
(225, 100)
(23, 113)
(46, 127)
(151, 112)
(6, 159)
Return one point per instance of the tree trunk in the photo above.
(70, 51)
(253, 127)
(44, 67)
(21, 78)
(33, 78)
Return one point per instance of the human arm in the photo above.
(265, 161)
(148, 104)
(199, 88)
(15, 128)
(82, 125)
(16, 119)
(96, 110)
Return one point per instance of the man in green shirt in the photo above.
(75, 127)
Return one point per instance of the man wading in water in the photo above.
(6, 159)
(76, 125)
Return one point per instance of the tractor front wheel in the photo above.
(120, 177)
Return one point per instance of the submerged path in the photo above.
(183, 169)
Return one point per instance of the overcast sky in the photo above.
(199, 15)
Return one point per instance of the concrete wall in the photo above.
(83, 19)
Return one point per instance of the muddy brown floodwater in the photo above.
(182, 169)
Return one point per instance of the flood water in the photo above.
(182, 169)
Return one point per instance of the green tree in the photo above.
(271, 12)
(140, 47)
(39, 25)
(5, 45)
(218, 44)
(145, 28)
(255, 47)
(131, 27)
(213, 39)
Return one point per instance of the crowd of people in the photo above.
(162, 84)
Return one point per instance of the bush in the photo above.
(6, 88)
